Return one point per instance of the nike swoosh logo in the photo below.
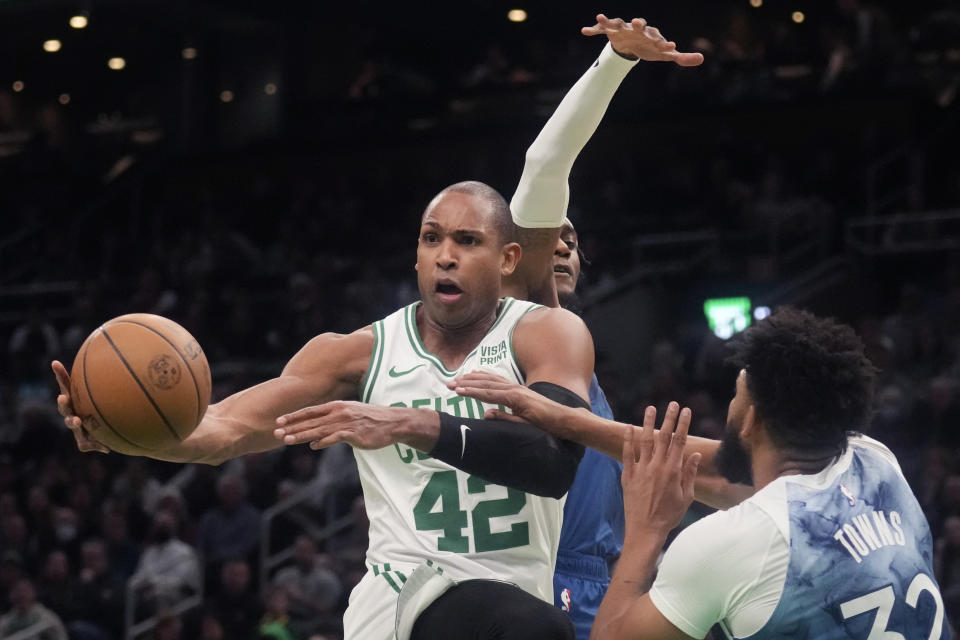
(393, 373)
(597, 63)
(463, 438)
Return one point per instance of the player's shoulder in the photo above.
(731, 536)
(865, 445)
(344, 354)
(539, 318)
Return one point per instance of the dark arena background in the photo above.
(256, 171)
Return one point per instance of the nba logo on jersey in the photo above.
(852, 499)
(565, 599)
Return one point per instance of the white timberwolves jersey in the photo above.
(423, 509)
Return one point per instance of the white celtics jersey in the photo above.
(423, 509)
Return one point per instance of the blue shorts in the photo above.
(579, 584)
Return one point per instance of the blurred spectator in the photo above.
(211, 628)
(100, 595)
(169, 626)
(232, 528)
(13, 539)
(236, 604)
(938, 413)
(275, 623)
(122, 551)
(57, 587)
(169, 568)
(312, 586)
(946, 566)
(350, 547)
(27, 613)
(11, 571)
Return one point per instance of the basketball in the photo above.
(140, 383)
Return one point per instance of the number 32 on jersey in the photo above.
(883, 600)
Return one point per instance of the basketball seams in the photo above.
(146, 393)
(93, 401)
(196, 385)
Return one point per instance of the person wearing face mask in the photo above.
(168, 567)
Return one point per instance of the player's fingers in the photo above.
(643, 446)
(616, 24)
(629, 457)
(638, 24)
(484, 394)
(665, 434)
(654, 33)
(685, 59)
(293, 420)
(84, 442)
(679, 440)
(311, 432)
(306, 429)
(332, 439)
(497, 414)
(64, 407)
(689, 475)
(595, 30)
(63, 378)
(479, 374)
(666, 45)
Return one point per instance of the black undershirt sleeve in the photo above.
(513, 454)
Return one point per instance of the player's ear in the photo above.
(509, 258)
(749, 422)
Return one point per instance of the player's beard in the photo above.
(570, 302)
(733, 459)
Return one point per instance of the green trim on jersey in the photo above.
(376, 359)
(513, 354)
(413, 334)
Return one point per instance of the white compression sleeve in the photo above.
(542, 195)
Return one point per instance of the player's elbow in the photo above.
(555, 471)
(540, 161)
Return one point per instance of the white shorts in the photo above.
(372, 610)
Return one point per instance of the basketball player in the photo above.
(832, 545)
(452, 506)
(592, 533)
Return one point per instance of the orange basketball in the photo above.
(140, 383)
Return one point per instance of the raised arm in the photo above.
(329, 367)
(540, 202)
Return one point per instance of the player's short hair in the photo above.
(808, 377)
(500, 210)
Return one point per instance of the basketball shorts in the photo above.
(579, 584)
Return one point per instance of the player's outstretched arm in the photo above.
(503, 452)
(657, 485)
(540, 202)
(590, 430)
(328, 367)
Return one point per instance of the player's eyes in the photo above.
(571, 245)
(429, 237)
(468, 240)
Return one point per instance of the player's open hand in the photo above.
(638, 39)
(364, 426)
(65, 408)
(657, 480)
(526, 405)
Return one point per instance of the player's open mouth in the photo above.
(448, 292)
(563, 269)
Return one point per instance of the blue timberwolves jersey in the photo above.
(860, 558)
(593, 514)
(842, 554)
